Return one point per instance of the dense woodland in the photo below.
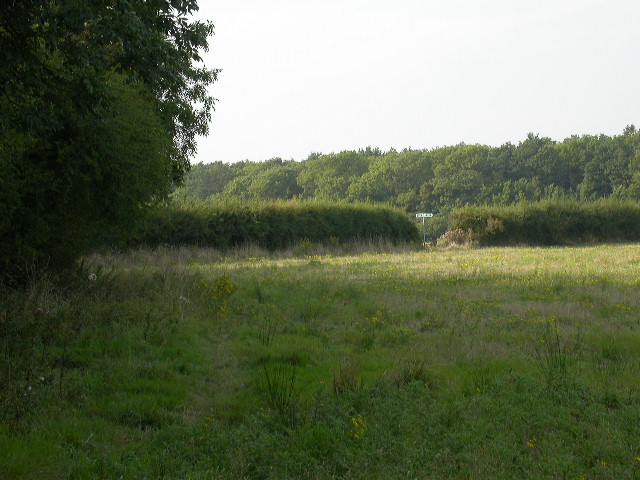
(583, 167)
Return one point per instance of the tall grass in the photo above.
(472, 363)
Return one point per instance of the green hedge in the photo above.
(271, 225)
(558, 222)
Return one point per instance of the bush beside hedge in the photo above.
(558, 222)
(271, 225)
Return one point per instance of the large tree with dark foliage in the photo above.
(100, 105)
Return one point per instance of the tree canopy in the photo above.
(100, 105)
(437, 180)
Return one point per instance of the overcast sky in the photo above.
(303, 76)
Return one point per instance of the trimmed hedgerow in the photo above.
(552, 222)
(271, 225)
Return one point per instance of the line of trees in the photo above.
(583, 167)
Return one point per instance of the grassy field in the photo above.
(495, 363)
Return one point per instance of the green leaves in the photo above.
(586, 167)
(100, 106)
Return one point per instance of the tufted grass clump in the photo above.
(277, 385)
(554, 357)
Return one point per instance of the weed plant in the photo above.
(267, 329)
(553, 357)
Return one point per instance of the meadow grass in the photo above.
(493, 363)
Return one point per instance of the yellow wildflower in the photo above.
(359, 427)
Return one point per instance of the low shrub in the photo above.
(552, 222)
(456, 237)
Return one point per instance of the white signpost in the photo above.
(423, 216)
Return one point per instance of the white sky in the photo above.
(303, 76)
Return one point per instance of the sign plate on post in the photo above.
(424, 233)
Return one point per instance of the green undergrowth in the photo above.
(550, 222)
(271, 225)
(493, 363)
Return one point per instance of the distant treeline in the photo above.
(582, 167)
